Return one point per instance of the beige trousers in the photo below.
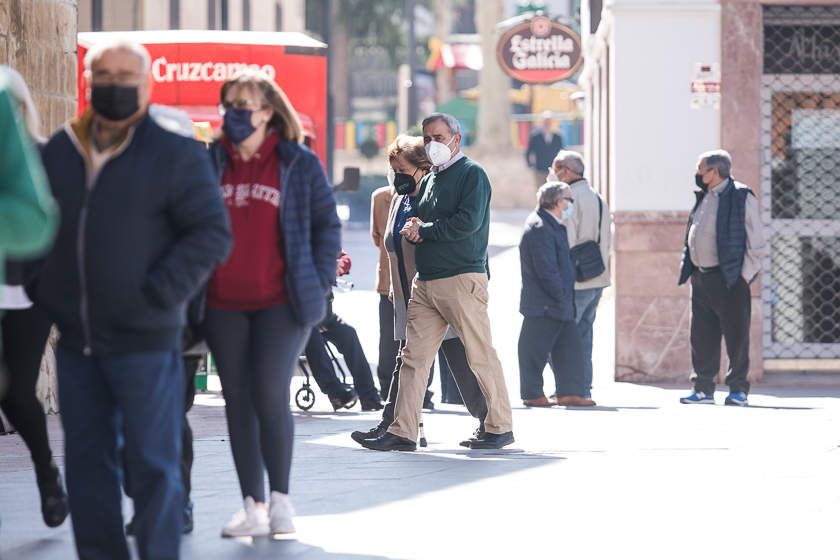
(460, 301)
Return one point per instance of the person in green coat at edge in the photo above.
(28, 216)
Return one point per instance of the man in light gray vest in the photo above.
(590, 221)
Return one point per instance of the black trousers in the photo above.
(448, 388)
(346, 341)
(545, 340)
(718, 311)
(456, 357)
(256, 353)
(25, 333)
(388, 347)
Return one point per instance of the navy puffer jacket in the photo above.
(310, 227)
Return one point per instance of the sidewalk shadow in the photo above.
(378, 478)
(769, 407)
(598, 408)
(265, 548)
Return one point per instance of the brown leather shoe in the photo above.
(573, 400)
(539, 401)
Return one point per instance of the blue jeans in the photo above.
(586, 304)
(137, 397)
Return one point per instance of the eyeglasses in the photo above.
(238, 104)
(105, 78)
(569, 198)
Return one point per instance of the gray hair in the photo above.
(572, 161)
(21, 93)
(96, 51)
(719, 160)
(451, 122)
(550, 193)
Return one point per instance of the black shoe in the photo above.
(428, 404)
(389, 442)
(54, 504)
(344, 400)
(477, 434)
(492, 441)
(188, 517)
(367, 406)
(374, 433)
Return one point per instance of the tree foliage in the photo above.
(383, 23)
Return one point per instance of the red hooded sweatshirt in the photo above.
(253, 277)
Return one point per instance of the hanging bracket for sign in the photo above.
(540, 51)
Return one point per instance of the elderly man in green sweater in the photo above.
(450, 228)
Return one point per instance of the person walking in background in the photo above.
(451, 229)
(543, 144)
(142, 226)
(590, 221)
(549, 333)
(263, 302)
(380, 201)
(722, 256)
(27, 224)
(409, 163)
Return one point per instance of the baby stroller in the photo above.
(305, 396)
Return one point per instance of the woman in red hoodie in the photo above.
(263, 301)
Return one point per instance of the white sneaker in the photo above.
(250, 521)
(280, 514)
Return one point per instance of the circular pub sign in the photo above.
(540, 51)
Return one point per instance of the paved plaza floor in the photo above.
(638, 476)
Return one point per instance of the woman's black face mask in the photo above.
(404, 183)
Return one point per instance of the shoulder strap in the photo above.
(600, 217)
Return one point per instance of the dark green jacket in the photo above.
(455, 208)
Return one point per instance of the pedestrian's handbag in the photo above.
(586, 257)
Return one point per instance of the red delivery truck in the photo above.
(189, 68)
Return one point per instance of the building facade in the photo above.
(38, 39)
(233, 15)
(665, 81)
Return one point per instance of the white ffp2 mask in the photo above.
(438, 152)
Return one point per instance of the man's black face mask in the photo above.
(115, 103)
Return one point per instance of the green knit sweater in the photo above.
(455, 208)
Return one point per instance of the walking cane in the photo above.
(423, 442)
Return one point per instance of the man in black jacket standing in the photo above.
(724, 243)
(543, 144)
(143, 225)
(549, 332)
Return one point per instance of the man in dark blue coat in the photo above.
(543, 145)
(142, 226)
(549, 332)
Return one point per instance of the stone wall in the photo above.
(38, 38)
(652, 312)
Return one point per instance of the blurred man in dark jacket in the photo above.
(543, 144)
(549, 333)
(143, 224)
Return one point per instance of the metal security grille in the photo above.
(801, 174)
